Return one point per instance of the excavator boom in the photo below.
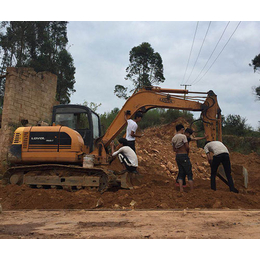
(155, 97)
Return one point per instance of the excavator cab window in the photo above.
(82, 121)
(95, 120)
(80, 118)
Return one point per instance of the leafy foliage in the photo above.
(120, 91)
(256, 64)
(236, 125)
(240, 137)
(145, 69)
(92, 105)
(42, 46)
(107, 118)
(257, 92)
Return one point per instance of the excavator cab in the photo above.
(79, 118)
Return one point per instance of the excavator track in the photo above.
(59, 176)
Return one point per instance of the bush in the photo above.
(236, 125)
(159, 116)
(107, 118)
(244, 145)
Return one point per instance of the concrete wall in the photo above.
(28, 96)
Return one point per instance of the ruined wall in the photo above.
(28, 96)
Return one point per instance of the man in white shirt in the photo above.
(220, 155)
(126, 155)
(132, 128)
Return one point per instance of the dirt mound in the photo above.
(157, 188)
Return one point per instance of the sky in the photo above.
(102, 33)
(100, 50)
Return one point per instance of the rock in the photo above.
(169, 173)
(201, 169)
(116, 206)
(154, 150)
(171, 167)
(205, 164)
(145, 151)
(164, 206)
(132, 203)
(217, 204)
(100, 203)
(140, 159)
(203, 155)
(163, 166)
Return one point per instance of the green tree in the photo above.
(107, 118)
(256, 65)
(145, 69)
(92, 105)
(235, 125)
(42, 46)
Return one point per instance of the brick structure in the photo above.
(28, 96)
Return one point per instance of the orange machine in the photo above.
(53, 155)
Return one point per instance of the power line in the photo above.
(199, 51)
(191, 50)
(211, 54)
(219, 53)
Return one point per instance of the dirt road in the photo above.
(131, 224)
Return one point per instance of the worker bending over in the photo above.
(126, 155)
(220, 155)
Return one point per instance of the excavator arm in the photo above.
(155, 97)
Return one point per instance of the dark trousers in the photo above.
(224, 159)
(131, 144)
(185, 168)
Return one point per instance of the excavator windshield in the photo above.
(80, 118)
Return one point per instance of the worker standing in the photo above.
(220, 155)
(132, 128)
(188, 132)
(181, 147)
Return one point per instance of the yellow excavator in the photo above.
(52, 156)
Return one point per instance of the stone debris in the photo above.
(100, 203)
(132, 203)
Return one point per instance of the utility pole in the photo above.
(185, 89)
(185, 93)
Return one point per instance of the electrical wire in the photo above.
(219, 53)
(191, 50)
(199, 52)
(211, 54)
